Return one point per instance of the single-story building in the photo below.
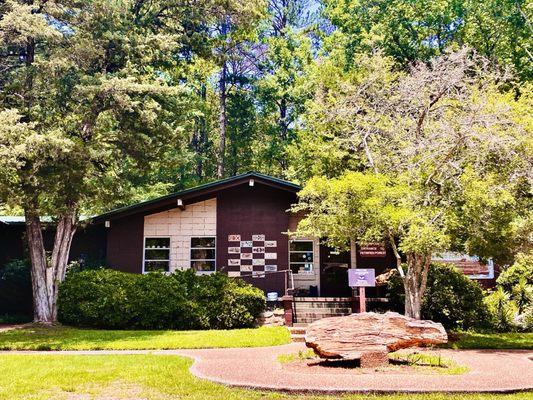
(237, 226)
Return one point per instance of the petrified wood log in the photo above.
(369, 337)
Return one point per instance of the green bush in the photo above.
(110, 299)
(451, 298)
(502, 310)
(521, 269)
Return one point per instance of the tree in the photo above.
(84, 102)
(417, 139)
(409, 31)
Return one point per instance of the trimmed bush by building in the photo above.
(110, 299)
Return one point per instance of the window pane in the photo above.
(301, 246)
(156, 254)
(203, 266)
(156, 266)
(152, 243)
(295, 268)
(202, 254)
(203, 242)
(301, 257)
(301, 268)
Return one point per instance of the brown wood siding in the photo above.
(256, 210)
(125, 244)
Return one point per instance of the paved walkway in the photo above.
(258, 368)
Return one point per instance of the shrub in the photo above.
(110, 299)
(15, 289)
(451, 298)
(502, 310)
(521, 269)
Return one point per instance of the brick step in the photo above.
(298, 338)
(307, 317)
(294, 330)
(299, 325)
(323, 299)
(323, 305)
(336, 310)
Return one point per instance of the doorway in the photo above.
(334, 267)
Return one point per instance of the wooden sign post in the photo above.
(362, 278)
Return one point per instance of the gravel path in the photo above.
(258, 368)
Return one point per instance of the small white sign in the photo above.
(234, 274)
(246, 256)
(234, 238)
(246, 243)
(258, 274)
(234, 262)
(234, 250)
(271, 268)
(258, 261)
(258, 238)
(271, 256)
(247, 268)
(258, 250)
(361, 277)
(271, 243)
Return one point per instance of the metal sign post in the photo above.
(362, 278)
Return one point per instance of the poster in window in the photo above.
(271, 243)
(258, 238)
(234, 250)
(234, 238)
(271, 256)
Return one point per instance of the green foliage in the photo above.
(451, 298)
(522, 268)
(15, 289)
(502, 310)
(111, 299)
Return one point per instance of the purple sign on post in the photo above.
(361, 277)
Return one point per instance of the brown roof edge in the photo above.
(169, 201)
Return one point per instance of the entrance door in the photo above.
(334, 267)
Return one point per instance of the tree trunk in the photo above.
(46, 276)
(415, 283)
(222, 121)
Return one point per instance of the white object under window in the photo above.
(203, 254)
(156, 254)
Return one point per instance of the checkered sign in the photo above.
(252, 256)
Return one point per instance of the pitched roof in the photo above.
(201, 190)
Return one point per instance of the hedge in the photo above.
(183, 300)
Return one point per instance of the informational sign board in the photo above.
(361, 277)
(470, 265)
(373, 250)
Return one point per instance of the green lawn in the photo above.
(469, 340)
(150, 377)
(67, 338)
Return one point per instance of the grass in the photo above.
(150, 377)
(435, 362)
(300, 356)
(34, 337)
(500, 341)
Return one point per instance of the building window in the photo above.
(203, 254)
(301, 256)
(156, 254)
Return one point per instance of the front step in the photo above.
(310, 309)
(298, 332)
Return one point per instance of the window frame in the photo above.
(191, 260)
(312, 271)
(144, 271)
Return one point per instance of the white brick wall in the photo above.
(198, 219)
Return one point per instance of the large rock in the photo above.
(369, 337)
